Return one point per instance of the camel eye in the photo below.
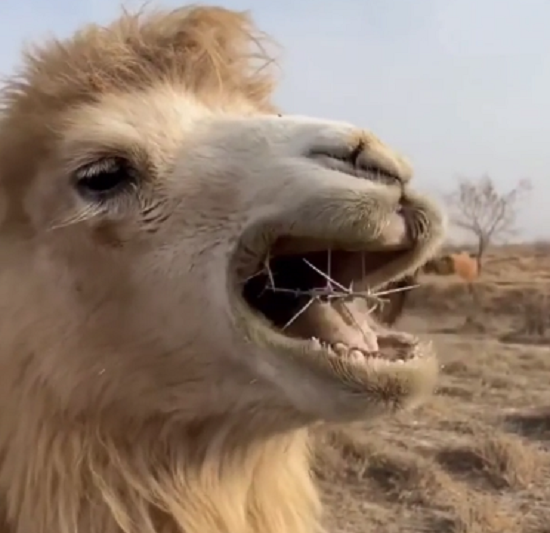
(105, 178)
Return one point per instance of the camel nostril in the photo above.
(354, 161)
(350, 163)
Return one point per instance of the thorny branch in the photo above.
(331, 292)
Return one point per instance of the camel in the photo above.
(164, 354)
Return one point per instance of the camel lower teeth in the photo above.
(354, 355)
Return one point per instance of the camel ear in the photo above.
(394, 302)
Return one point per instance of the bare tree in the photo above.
(489, 215)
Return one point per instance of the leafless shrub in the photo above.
(480, 209)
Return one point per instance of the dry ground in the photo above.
(476, 458)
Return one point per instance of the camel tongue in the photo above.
(336, 321)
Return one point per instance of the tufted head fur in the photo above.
(146, 386)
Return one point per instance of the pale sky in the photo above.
(462, 87)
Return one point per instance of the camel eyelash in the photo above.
(108, 164)
(104, 178)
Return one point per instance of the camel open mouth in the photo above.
(324, 293)
(308, 296)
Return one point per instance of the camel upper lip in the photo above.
(395, 236)
(347, 163)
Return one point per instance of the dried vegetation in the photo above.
(476, 458)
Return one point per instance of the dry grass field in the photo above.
(476, 458)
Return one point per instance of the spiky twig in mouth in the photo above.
(332, 291)
(329, 306)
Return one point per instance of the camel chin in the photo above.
(189, 281)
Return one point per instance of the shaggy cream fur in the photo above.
(133, 399)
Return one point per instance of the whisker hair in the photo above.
(87, 213)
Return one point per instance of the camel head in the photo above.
(166, 232)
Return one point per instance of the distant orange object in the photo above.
(460, 264)
(465, 266)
